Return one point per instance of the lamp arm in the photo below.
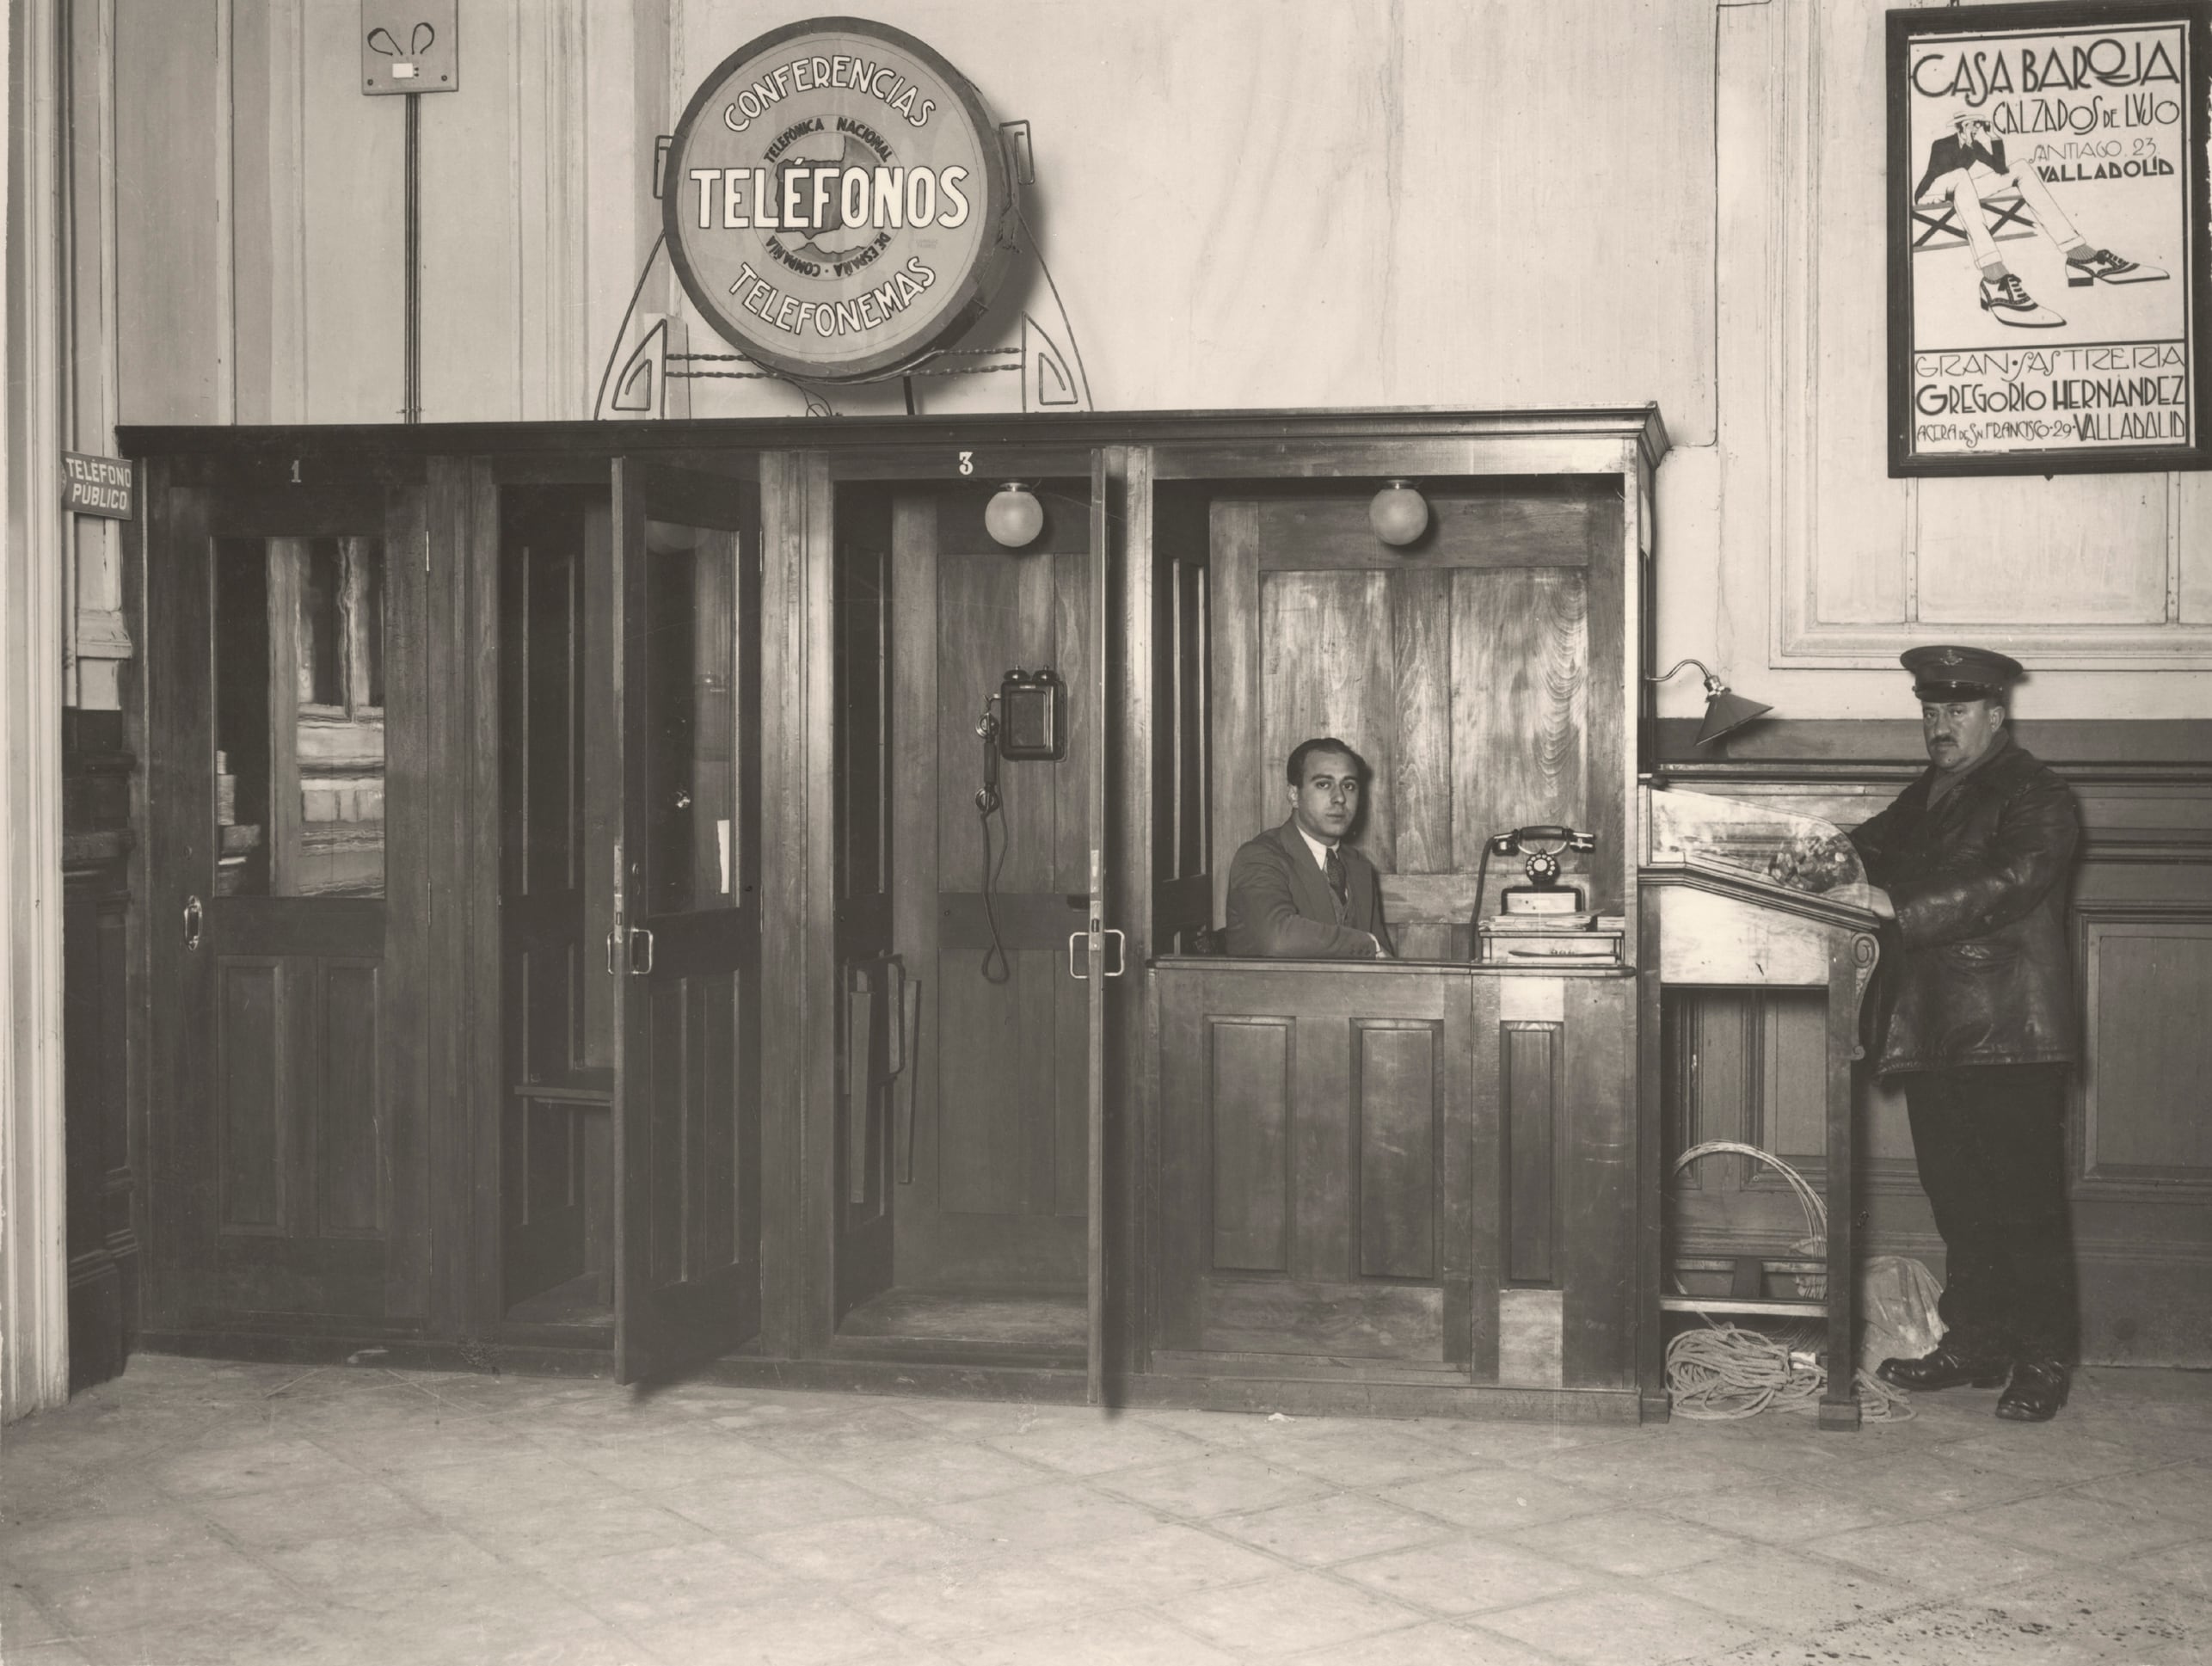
(1713, 685)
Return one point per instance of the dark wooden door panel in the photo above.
(1398, 1081)
(351, 1155)
(299, 1092)
(685, 586)
(1251, 1090)
(545, 1239)
(251, 1091)
(688, 1079)
(289, 1126)
(1529, 1096)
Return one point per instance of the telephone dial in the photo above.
(1540, 849)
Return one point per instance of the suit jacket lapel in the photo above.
(1307, 882)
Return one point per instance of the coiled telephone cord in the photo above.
(1725, 1372)
(987, 806)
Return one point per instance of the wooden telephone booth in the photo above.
(585, 924)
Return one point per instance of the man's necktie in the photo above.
(1337, 882)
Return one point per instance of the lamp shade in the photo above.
(1014, 517)
(1725, 712)
(1399, 514)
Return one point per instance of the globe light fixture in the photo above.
(1399, 514)
(1724, 712)
(1014, 517)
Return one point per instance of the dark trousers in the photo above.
(1990, 1140)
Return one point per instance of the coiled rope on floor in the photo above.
(1725, 1371)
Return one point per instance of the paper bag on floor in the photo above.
(1897, 1298)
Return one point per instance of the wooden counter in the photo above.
(1395, 1171)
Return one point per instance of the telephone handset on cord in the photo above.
(1025, 721)
(1542, 847)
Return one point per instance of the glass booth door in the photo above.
(975, 946)
(684, 938)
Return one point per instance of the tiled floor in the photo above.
(236, 1513)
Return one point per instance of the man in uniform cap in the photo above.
(1977, 1020)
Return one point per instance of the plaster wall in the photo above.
(1249, 203)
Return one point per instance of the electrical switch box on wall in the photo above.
(410, 46)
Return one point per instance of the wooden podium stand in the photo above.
(1712, 916)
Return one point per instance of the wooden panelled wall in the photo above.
(1747, 1065)
(104, 1266)
(1460, 667)
(1000, 1189)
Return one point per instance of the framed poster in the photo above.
(2047, 254)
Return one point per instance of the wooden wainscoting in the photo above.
(1394, 1173)
(1745, 1065)
(103, 1246)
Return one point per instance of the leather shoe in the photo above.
(2035, 1392)
(1947, 1367)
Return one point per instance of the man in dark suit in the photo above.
(1299, 891)
(1976, 999)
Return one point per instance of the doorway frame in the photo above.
(798, 880)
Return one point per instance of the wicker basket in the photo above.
(1810, 1287)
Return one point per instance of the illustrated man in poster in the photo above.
(1967, 166)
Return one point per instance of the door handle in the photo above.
(612, 969)
(902, 1090)
(638, 933)
(1120, 954)
(195, 916)
(859, 1082)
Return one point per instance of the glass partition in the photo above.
(1758, 843)
(691, 607)
(299, 760)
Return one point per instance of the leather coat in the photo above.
(1977, 969)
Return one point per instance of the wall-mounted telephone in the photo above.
(1032, 717)
(1025, 721)
(1542, 848)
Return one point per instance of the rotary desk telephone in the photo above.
(1542, 920)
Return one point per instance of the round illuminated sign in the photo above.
(836, 202)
